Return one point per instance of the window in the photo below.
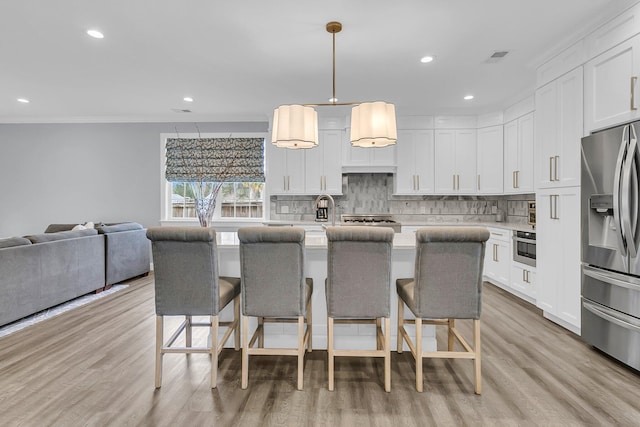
(235, 200)
(233, 161)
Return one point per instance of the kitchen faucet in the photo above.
(333, 206)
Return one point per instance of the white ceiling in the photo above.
(240, 59)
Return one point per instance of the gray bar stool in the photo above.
(274, 289)
(447, 285)
(185, 262)
(358, 288)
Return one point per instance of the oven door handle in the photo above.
(523, 240)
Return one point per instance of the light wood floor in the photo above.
(95, 366)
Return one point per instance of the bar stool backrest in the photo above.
(448, 276)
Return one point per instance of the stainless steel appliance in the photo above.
(374, 220)
(610, 242)
(531, 213)
(524, 247)
(322, 210)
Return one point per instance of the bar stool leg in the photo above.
(387, 354)
(159, 343)
(477, 360)
(400, 324)
(301, 351)
(245, 352)
(214, 351)
(418, 354)
(330, 351)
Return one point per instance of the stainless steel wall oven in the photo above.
(524, 247)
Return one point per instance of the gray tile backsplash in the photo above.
(372, 193)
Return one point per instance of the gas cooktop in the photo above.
(372, 220)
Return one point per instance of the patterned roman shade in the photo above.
(215, 160)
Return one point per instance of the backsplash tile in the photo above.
(373, 194)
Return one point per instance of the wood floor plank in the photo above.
(94, 366)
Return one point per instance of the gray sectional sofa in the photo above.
(128, 251)
(43, 270)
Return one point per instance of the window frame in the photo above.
(166, 190)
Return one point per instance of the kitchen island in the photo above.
(357, 336)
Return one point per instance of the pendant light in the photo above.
(373, 124)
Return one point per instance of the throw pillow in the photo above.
(79, 227)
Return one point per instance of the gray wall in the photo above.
(73, 173)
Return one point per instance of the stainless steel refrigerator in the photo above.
(611, 242)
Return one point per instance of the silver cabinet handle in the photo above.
(513, 179)
(288, 183)
(633, 93)
(517, 179)
(523, 276)
(284, 182)
(458, 182)
(556, 161)
(553, 206)
(418, 181)
(454, 181)
(551, 168)
(413, 182)
(478, 182)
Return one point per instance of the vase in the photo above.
(204, 210)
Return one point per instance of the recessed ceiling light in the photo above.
(426, 59)
(23, 100)
(333, 100)
(95, 34)
(468, 97)
(187, 99)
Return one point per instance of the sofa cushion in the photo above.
(50, 237)
(125, 226)
(10, 242)
(55, 228)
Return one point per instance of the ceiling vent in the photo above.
(180, 110)
(497, 56)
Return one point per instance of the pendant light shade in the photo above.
(373, 124)
(295, 126)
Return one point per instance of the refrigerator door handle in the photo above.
(610, 279)
(616, 192)
(610, 315)
(629, 208)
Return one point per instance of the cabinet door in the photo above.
(276, 169)
(490, 160)
(558, 253)
(608, 95)
(424, 161)
(405, 177)
(548, 251)
(496, 261)
(523, 279)
(510, 156)
(314, 167)
(323, 164)
(332, 161)
(524, 177)
(559, 130)
(570, 128)
(445, 161)
(546, 134)
(465, 161)
(295, 170)
(385, 156)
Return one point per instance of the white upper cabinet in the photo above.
(359, 159)
(415, 156)
(323, 164)
(455, 161)
(518, 155)
(490, 160)
(285, 170)
(559, 128)
(611, 93)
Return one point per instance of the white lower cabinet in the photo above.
(497, 256)
(558, 255)
(523, 280)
